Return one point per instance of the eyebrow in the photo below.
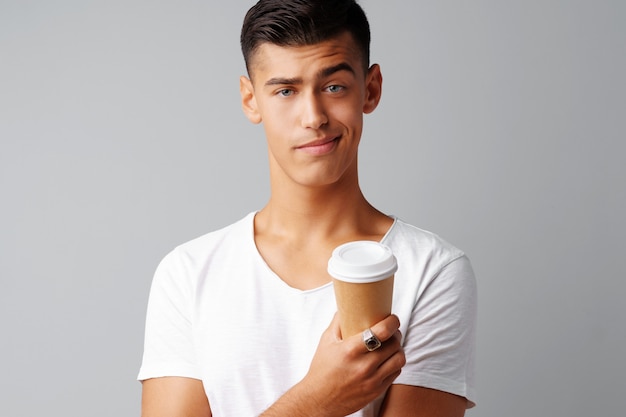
(344, 66)
(323, 73)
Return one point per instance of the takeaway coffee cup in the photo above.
(362, 273)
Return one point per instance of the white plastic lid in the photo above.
(362, 261)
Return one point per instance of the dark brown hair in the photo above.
(303, 22)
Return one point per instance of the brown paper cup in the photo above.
(363, 273)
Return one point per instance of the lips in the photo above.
(320, 146)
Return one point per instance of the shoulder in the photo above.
(237, 232)
(195, 253)
(424, 257)
(407, 240)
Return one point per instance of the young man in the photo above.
(241, 322)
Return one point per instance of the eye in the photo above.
(335, 88)
(285, 92)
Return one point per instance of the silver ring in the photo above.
(370, 340)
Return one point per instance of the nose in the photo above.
(313, 112)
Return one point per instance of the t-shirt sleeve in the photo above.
(440, 339)
(168, 343)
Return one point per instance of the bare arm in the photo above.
(174, 397)
(410, 401)
(344, 377)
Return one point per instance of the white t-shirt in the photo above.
(218, 313)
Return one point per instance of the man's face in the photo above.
(311, 101)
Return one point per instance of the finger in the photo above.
(389, 379)
(386, 328)
(391, 361)
(390, 348)
(384, 349)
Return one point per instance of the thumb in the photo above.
(333, 330)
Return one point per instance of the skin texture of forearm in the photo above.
(296, 402)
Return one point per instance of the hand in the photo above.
(344, 376)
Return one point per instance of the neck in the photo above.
(335, 212)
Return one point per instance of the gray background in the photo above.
(501, 128)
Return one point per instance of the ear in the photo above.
(248, 100)
(373, 88)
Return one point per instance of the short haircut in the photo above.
(303, 22)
